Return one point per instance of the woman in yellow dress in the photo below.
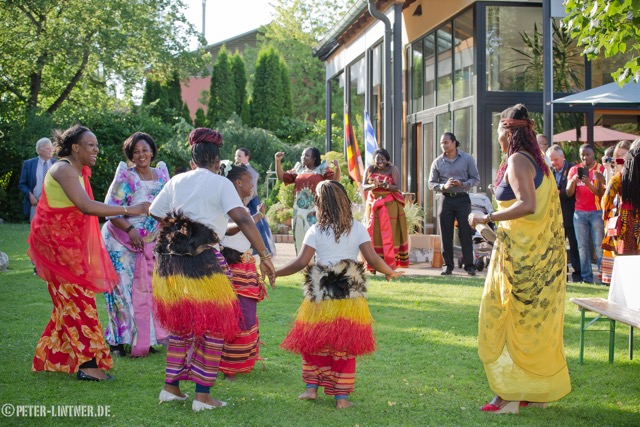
(522, 310)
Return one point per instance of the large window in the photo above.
(429, 51)
(445, 65)
(337, 109)
(443, 124)
(416, 81)
(442, 64)
(463, 55)
(514, 48)
(357, 84)
(463, 128)
(377, 91)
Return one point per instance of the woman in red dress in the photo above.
(306, 175)
(67, 249)
(386, 221)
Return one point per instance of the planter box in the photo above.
(425, 248)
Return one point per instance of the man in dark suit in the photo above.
(560, 168)
(32, 175)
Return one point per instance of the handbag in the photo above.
(614, 224)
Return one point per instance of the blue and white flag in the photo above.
(370, 143)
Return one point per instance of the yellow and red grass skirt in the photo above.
(191, 291)
(334, 316)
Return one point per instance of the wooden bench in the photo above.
(613, 312)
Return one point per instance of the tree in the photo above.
(186, 114)
(200, 120)
(267, 102)
(240, 79)
(156, 97)
(298, 27)
(611, 27)
(287, 101)
(174, 93)
(222, 92)
(58, 50)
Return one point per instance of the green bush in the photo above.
(286, 195)
(277, 215)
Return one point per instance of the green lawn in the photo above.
(426, 370)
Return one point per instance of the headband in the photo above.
(205, 136)
(320, 185)
(516, 123)
(225, 167)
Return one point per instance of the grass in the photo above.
(425, 372)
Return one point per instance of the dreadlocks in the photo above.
(631, 177)
(523, 138)
(334, 208)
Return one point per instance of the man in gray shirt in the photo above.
(453, 174)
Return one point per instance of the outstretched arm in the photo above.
(301, 261)
(376, 262)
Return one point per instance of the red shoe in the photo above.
(508, 408)
(542, 405)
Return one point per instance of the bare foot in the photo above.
(343, 403)
(96, 373)
(206, 398)
(309, 394)
(174, 390)
(229, 377)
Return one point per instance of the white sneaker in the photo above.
(201, 406)
(166, 396)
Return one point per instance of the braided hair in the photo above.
(236, 172)
(523, 138)
(334, 208)
(205, 146)
(63, 140)
(631, 177)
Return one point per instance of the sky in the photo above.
(228, 18)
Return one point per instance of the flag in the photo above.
(370, 143)
(354, 159)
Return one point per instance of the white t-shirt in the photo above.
(238, 241)
(328, 251)
(202, 196)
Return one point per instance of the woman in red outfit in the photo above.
(67, 249)
(386, 221)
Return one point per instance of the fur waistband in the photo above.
(343, 280)
(180, 235)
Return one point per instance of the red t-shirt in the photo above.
(585, 199)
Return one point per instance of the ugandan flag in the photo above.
(354, 159)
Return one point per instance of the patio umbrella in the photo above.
(600, 133)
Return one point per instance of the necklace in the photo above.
(141, 175)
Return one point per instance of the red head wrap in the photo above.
(205, 136)
(516, 123)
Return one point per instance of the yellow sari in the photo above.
(521, 318)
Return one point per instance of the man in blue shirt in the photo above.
(453, 174)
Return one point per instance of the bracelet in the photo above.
(490, 218)
(129, 228)
(265, 254)
(125, 210)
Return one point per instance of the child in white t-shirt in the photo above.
(333, 324)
